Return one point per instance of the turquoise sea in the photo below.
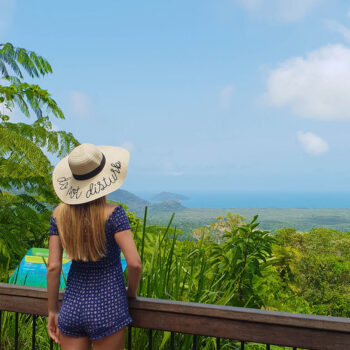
(262, 199)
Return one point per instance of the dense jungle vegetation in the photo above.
(271, 219)
(231, 261)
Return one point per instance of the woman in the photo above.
(92, 232)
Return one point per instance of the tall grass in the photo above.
(201, 271)
(231, 272)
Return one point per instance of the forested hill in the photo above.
(137, 204)
(134, 202)
(167, 207)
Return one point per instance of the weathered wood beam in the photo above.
(249, 325)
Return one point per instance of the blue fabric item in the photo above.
(95, 303)
(53, 227)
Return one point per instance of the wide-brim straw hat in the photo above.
(90, 172)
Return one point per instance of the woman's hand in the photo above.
(130, 294)
(54, 332)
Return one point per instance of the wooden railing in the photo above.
(243, 324)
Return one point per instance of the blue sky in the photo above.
(226, 95)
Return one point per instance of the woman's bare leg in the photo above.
(74, 343)
(114, 341)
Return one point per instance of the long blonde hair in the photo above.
(82, 229)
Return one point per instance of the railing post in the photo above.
(150, 339)
(33, 332)
(129, 337)
(16, 331)
(217, 343)
(172, 341)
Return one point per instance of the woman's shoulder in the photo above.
(118, 219)
(114, 210)
(53, 224)
(111, 208)
(55, 212)
(53, 217)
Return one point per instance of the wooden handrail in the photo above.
(250, 325)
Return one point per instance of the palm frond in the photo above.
(24, 95)
(3, 69)
(9, 56)
(15, 57)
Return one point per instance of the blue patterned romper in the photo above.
(95, 303)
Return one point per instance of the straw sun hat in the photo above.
(90, 172)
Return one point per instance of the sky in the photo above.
(208, 96)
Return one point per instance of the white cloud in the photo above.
(80, 104)
(312, 144)
(225, 97)
(317, 86)
(284, 10)
(339, 28)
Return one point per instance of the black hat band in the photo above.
(92, 173)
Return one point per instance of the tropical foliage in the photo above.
(317, 265)
(248, 267)
(17, 93)
(238, 270)
(26, 195)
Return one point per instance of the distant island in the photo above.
(138, 204)
(168, 196)
(166, 206)
(132, 201)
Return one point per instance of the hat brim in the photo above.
(72, 191)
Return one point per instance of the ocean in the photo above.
(312, 200)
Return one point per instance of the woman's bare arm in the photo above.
(126, 243)
(53, 274)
